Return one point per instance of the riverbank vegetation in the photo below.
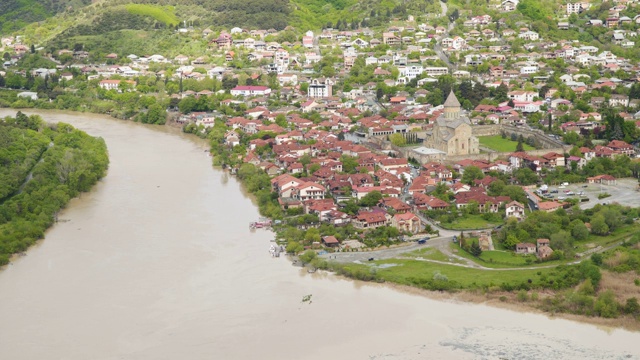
(42, 166)
(593, 288)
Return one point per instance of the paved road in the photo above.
(437, 48)
(347, 257)
(443, 245)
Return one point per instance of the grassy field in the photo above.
(414, 272)
(503, 259)
(618, 235)
(163, 14)
(432, 254)
(470, 222)
(499, 144)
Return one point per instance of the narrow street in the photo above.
(437, 47)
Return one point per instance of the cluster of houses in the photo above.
(541, 248)
(302, 144)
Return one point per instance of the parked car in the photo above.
(554, 191)
(561, 187)
(565, 184)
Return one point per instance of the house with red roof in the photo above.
(284, 185)
(603, 151)
(550, 206)
(308, 191)
(602, 179)
(371, 219)
(395, 204)
(250, 90)
(621, 147)
(321, 207)
(525, 248)
(485, 202)
(428, 202)
(515, 209)
(330, 241)
(408, 222)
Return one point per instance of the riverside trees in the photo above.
(43, 167)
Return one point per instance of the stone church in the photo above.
(452, 132)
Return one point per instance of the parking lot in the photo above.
(623, 193)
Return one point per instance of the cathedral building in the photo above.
(452, 132)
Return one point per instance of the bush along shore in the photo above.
(42, 167)
(602, 289)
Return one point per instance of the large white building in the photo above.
(320, 88)
(250, 91)
(410, 72)
(576, 8)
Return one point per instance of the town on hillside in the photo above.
(462, 122)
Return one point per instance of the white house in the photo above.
(529, 35)
(522, 95)
(515, 209)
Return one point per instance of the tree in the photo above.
(156, 115)
(313, 168)
(305, 159)
(580, 231)
(526, 176)
(308, 256)
(606, 306)
(561, 241)
(475, 249)
(510, 242)
(471, 173)
(519, 145)
(187, 104)
(397, 139)
(500, 93)
(349, 164)
(229, 82)
(371, 199)
(599, 226)
(632, 307)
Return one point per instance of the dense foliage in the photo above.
(47, 165)
(15, 14)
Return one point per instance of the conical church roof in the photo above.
(452, 100)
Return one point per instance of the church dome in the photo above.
(452, 106)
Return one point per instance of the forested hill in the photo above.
(42, 167)
(15, 14)
(87, 17)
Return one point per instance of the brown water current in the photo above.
(158, 262)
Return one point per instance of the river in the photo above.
(158, 262)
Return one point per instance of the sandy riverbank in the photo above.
(510, 302)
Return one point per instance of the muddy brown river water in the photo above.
(158, 262)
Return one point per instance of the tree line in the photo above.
(67, 162)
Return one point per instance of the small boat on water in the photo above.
(261, 223)
(275, 250)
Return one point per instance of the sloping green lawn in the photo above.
(470, 222)
(499, 144)
(414, 272)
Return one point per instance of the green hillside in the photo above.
(16, 14)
